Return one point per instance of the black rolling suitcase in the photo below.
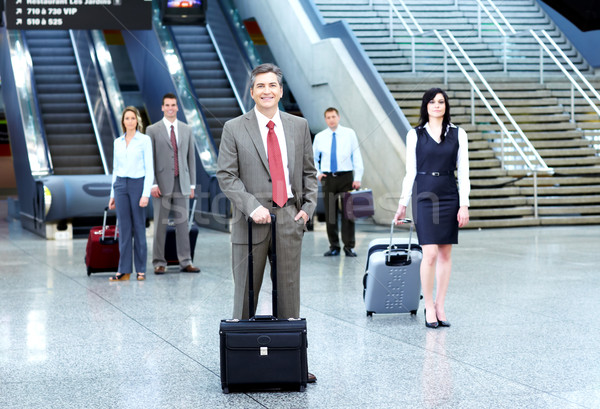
(171, 241)
(263, 352)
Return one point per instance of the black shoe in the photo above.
(349, 252)
(443, 323)
(332, 252)
(429, 324)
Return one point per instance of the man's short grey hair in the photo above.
(265, 68)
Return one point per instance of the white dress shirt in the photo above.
(133, 161)
(347, 151)
(462, 163)
(278, 128)
(168, 126)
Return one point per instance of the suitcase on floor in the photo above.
(392, 282)
(263, 352)
(102, 249)
(171, 240)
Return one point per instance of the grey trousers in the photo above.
(179, 205)
(289, 247)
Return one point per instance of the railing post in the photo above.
(414, 57)
(505, 56)
(541, 65)
(535, 194)
(479, 21)
(445, 67)
(472, 106)
(572, 103)
(391, 24)
(502, 148)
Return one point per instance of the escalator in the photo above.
(207, 77)
(61, 127)
(65, 116)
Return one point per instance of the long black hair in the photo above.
(428, 96)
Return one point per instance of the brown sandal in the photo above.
(120, 277)
(141, 276)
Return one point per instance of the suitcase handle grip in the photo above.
(104, 225)
(273, 260)
(389, 249)
(263, 318)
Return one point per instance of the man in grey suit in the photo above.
(257, 187)
(174, 182)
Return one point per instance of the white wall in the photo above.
(320, 74)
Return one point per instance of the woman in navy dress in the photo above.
(434, 150)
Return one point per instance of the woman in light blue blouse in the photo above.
(133, 175)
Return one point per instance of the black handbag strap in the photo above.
(273, 262)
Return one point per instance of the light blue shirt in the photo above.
(133, 161)
(347, 149)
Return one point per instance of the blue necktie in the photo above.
(333, 164)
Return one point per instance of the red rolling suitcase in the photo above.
(171, 240)
(102, 250)
(263, 352)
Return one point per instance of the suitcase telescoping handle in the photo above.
(191, 220)
(251, 309)
(104, 224)
(389, 250)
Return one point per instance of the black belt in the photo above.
(440, 173)
(336, 174)
(290, 202)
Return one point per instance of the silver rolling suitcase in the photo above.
(392, 283)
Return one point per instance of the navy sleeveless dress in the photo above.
(435, 200)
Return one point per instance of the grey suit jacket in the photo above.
(164, 162)
(243, 170)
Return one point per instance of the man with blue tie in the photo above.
(340, 169)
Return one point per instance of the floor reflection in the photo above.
(437, 383)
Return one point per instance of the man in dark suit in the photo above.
(174, 182)
(260, 178)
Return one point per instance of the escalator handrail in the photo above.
(38, 136)
(189, 86)
(88, 102)
(107, 73)
(181, 84)
(226, 69)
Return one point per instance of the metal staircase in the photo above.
(500, 196)
(71, 139)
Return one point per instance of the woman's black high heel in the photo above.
(430, 324)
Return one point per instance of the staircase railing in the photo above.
(574, 84)
(541, 167)
(393, 11)
(534, 169)
(543, 48)
(482, 7)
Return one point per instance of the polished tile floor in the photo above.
(523, 305)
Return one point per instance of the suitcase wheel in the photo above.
(302, 388)
(413, 312)
(369, 313)
(225, 389)
(89, 271)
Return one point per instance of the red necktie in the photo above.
(174, 143)
(276, 167)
